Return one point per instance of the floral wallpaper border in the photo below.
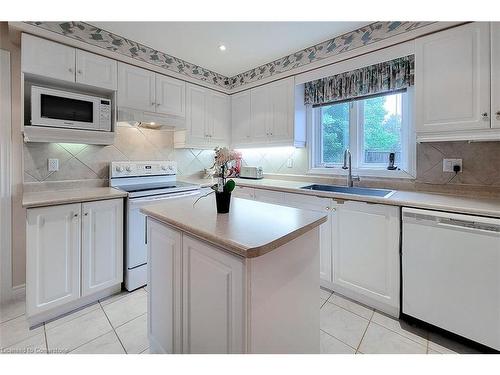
(101, 38)
(363, 36)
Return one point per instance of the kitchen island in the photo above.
(242, 282)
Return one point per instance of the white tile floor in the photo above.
(118, 325)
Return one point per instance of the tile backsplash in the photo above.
(90, 162)
(481, 160)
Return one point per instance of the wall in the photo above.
(18, 213)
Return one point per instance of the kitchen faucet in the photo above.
(347, 159)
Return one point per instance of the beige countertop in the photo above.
(250, 229)
(418, 199)
(55, 197)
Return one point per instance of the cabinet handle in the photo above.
(79, 71)
(270, 134)
(327, 208)
(157, 104)
(153, 103)
(70, 70)
(498, 114)
(484, 115)
(86, 214)
(75, 215)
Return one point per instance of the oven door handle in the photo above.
(134, 202)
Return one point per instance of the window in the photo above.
(371, 128)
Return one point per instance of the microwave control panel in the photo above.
(105, 115)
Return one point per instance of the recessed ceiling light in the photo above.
(222, 47)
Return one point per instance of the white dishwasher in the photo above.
(451, 273)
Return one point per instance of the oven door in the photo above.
(136, 244)
(62, 109)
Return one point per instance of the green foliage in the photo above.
(381, 132)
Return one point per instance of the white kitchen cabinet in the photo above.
(95, 70)
(452, 84)
(47, 59)
(269, 196)
(207, 119)
(164, 288)
(366, 254)
(260, 114)
(213, 299)
(170, 96)
(495, 74)
(282, 101)
(74, 256)
(218, 118)
(269, 115)
(136, 88)
(328, 206)
(240, 118)
(102, 245)
(52, 257)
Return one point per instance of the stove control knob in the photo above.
(164, 167)
(119, 169)
(128, 168)
(170, 168)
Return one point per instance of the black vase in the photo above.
(223, 200)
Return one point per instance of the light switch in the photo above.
(53, 165)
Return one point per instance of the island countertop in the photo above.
(250, 229)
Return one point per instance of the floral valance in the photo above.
(393, 75)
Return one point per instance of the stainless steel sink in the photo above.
(350, 190)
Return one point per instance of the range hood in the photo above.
(150, 120)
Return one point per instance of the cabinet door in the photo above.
(164, 293)
(196, 115)
(213, 299)
(243, 192)
(240, 117)
(282, 99)
(218, 118)
(46, 58)
(102, 245)
(52, 257)
(495, 74)
(170, 96)
(366, 254)
(95, 70)
(136, 88)
(327, 206)
(452, 73)
(269, 196)
(260, 113)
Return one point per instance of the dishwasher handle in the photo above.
(452, 221)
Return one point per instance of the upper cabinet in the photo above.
(456, 83)
(136, 88)
(495, 74)
(207, 119)
(162, 97)
(170, 96)
(48, 59)
(95, 70)
(266, 115)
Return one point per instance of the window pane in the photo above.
(335, 132)
(382, 128)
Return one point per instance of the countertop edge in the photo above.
(115, 193)
(231, 246)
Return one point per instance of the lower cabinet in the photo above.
(102, 245)
(52, 257)
(72, 251)
(202, 291)
(366, 254)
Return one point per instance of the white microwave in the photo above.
(64, 109)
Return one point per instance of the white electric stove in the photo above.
(146, 182)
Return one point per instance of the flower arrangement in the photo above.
(222, 160)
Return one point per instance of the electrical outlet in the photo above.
(53, 165)
(289, 163)
(448, 164)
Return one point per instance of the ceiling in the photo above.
(248, 44)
